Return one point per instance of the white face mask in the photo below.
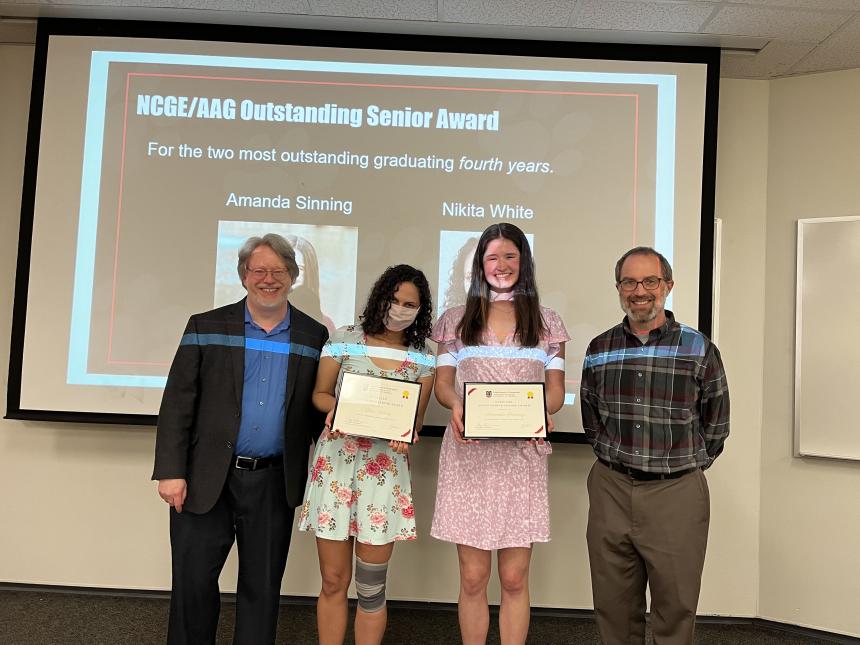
(501, 296)
(399, 317)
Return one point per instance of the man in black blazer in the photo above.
(231, 453)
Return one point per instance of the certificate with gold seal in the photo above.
(504, 410)
(377, 407)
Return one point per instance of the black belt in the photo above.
(257, 463)
(641, 475)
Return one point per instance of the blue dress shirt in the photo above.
(267, 354)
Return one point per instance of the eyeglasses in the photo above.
(650, 283)
(260, 274)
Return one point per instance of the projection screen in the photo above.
(152, 158)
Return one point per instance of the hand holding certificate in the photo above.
(378, 407)
(504, 410)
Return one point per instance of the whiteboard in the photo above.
(827, 347)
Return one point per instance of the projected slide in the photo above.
(159, 158)
(326, 257)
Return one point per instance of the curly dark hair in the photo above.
(380, 299)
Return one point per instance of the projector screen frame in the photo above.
(49, 27)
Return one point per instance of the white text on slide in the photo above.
(230, 109)
(364, 161)
(496, 211)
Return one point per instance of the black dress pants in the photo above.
(252, 509)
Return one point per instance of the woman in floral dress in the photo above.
(359, 492)
(493, 494)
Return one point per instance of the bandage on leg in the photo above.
(370, 585)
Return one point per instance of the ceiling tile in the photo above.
(806, 35)
(545, 13)
(837, 5)
(840, 51)
(773, 60)
(641, 16)
(787, 24)
(247, 6)
(391, 9)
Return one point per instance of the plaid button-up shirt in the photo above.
(661, 406)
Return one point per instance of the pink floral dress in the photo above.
(494, 494)
(359, 487)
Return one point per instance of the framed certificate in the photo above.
(376, 406)
(504, 410)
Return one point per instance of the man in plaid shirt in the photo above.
(655, 408)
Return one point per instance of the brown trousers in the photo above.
(646, 532)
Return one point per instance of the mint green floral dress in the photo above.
(359, 487)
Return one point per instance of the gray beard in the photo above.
(646, 316)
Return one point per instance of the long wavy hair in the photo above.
(455, 294)
(307, 295)
(379, 301)
(530, 323)
(311, 273)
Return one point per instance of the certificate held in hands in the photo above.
(504, 410)
(377, 407)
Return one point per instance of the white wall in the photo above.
(81, 511)
(810, 515)
(732, 564)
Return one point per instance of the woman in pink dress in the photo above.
(492, 494)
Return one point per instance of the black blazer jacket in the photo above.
(198, 422)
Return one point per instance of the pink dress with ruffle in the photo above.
(494, 494)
